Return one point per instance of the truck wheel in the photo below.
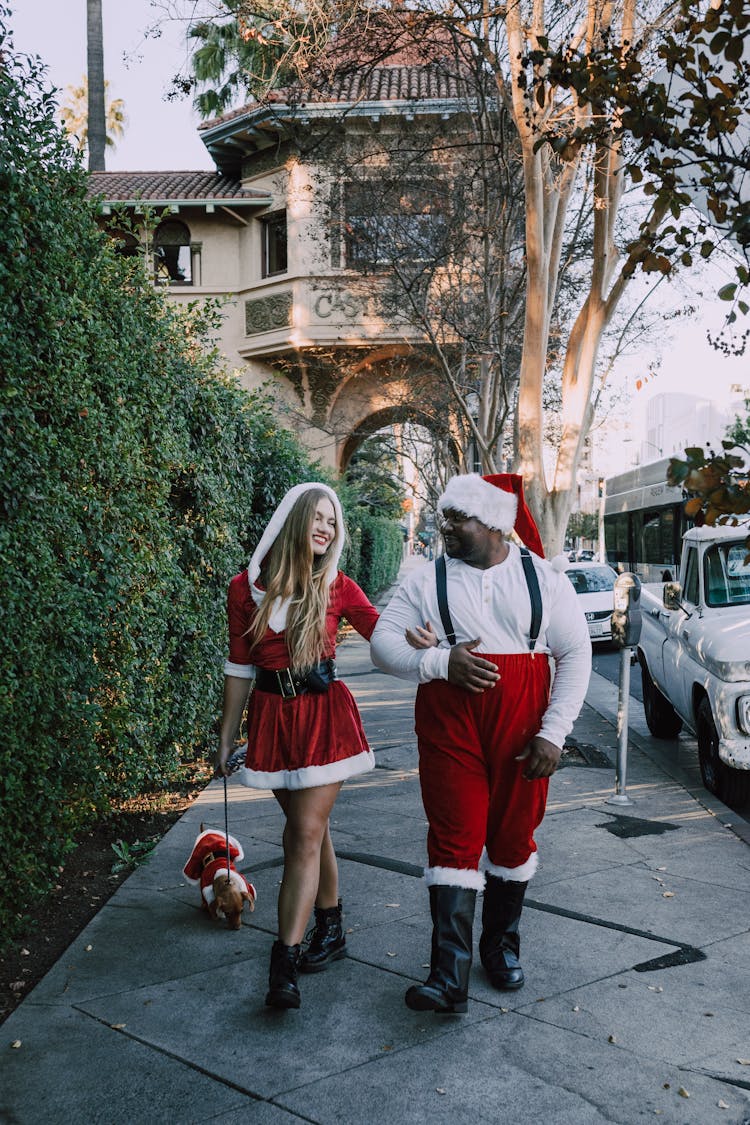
(661, 718)
(730, 786)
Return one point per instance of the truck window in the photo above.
(690, 591)
(726, 576)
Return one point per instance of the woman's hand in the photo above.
(222, 756)
(424, 636)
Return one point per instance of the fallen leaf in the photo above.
(575, 1008)
(661, 869)
(611, 1039)
(682, 1092)
(655, 988)
(25, 953)
(393, 905)
(722, 1104)
(387, 1047)
(17, 985)
(16, 1044)
(708, 1013)
(88, 948)
(391, 954)
(744, 1062)
(667, 894)
(506, 1010)
(440, 1089)
(118, 1026)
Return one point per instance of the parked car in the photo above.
(586, 556)
(595, 585)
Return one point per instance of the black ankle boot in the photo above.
(500, 944)
(326, 941)
(446, 989)
(282, 977)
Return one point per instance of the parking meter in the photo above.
(626, 632)
(626, 618)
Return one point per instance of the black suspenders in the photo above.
(532, 583)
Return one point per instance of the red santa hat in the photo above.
(497, 501)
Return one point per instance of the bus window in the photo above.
(657, 537)
(616, 539)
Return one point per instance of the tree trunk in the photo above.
(97, 127)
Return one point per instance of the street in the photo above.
(607, 663)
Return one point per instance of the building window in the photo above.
(172, 256)
(380, 227)
(273, 245)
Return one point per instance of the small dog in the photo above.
(224, 891)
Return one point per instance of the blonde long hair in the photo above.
(291, 571)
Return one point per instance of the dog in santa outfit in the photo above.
(490, 719)
(224, 890)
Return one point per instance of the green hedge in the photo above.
(135, 478)
(375, 550)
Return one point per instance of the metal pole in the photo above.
(621, 769)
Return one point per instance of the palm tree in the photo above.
(74, 115)
(97, 129)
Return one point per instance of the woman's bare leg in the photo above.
(307, 847)
(328, 882)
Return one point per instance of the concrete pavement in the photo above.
(635, 941)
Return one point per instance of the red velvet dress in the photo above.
(312, 739)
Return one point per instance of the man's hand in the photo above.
(423, 636)
(541, 757)
(469, 671)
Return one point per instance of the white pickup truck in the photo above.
(694, 653)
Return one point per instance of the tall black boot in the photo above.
(500, 944)
(282, 977)
(326, 941)
(446, 989)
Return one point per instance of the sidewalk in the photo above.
(635, 942)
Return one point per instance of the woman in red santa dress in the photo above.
(305, 735)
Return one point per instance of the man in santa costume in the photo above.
(490, 720)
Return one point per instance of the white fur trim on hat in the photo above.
(474, 496)
(279, 518)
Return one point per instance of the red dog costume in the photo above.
(209, 859)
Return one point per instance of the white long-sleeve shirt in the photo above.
(494, 605)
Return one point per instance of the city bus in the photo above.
(644, 521)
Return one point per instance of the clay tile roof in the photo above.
(165, 186)
(380, 84)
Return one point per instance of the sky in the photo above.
(162, 135)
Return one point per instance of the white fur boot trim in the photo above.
(520, 874)
(454, 877)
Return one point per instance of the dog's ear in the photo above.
(249, 899)
(203, 827)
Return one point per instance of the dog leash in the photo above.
(234, 762)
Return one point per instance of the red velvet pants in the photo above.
(473, 790)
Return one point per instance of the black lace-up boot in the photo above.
(500, 944)
(325, 941)
(446, 989)
(282, 977)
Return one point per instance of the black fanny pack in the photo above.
(288, 683)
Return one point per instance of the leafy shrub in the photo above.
(133, 479)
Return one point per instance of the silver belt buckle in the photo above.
(286, 684)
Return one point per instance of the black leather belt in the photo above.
(287, 683)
